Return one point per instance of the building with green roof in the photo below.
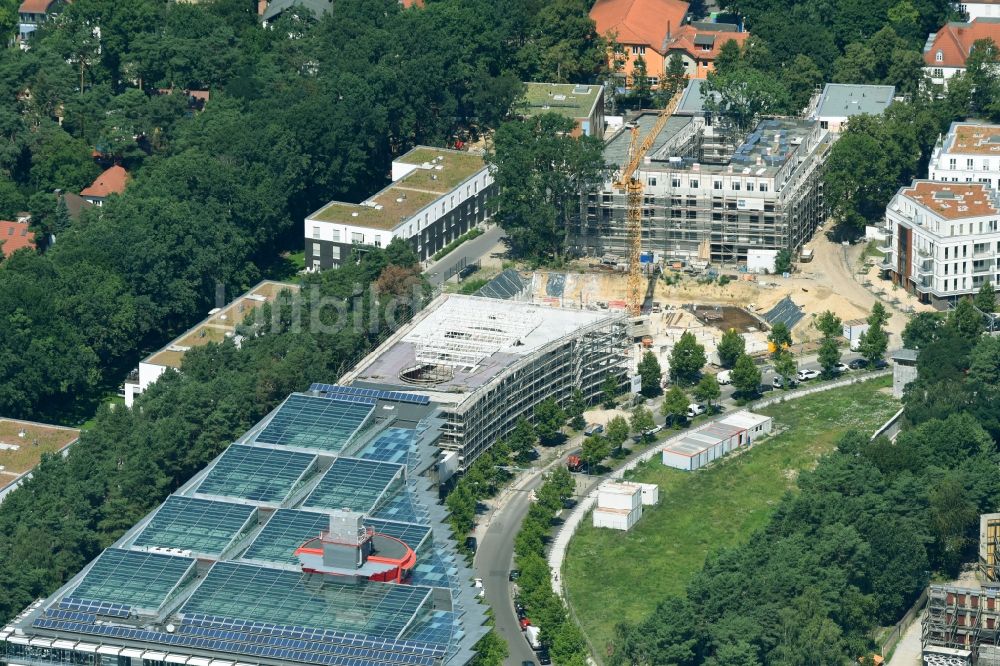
(582, 103)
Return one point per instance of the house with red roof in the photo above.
(699, 43)
(32, 13)
(639, 28)
(946, 50)
(14, 236)
(112, 181)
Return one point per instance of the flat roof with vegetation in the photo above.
(567, 99)
(438, 172)
(22, 444)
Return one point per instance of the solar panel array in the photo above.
(335, 390)
(202, 526)
(86, 608)
(132, 578)
(291, 597)
(785, 311)
(393, 445)
(355, 484)
(257, 473)
(316, 423)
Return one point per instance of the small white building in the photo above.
(975, 9)
(619, 505)
(761, 261)
(840, 101)
(853, 329)
(756, 425)
(700, 447)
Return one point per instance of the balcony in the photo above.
(925, 267)
(986, 267)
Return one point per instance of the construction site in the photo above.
(961, 626)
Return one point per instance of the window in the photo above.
(316, 247)
(378, 240)
(675, 182)
(315, 264)
(638, 50)
(694, 183)
(939, 56)
(315, 232)
(763, 187)
(736, 186)
(336, 235)
(651, 181)
(951, 163)
(968, 163)
(938, 73)
(357, 238)
(716, 184)
(824, 124)
(336, 252)
(654, 81)
(749, 186)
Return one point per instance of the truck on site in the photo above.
(532, 634)
(574, 464)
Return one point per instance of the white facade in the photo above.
(969, 153)
(756, 425)
(761, 261)
(619, 505)
(943, 239)
(705, 445)
(976, 10)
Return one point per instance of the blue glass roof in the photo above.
(394, 445)
(356, 484)
(316, 423)
(257, 473)
(130, 578)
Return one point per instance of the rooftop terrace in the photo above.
(970, 139)
(438, 171)
(22, 444)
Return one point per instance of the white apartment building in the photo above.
(969, 153)
(436, 195)
(943, 239)
(980, 9)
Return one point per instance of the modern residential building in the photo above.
(316, 538)
(839, 101)
(488, 362)
(640, 29)
(942, 239)
(15, 236)
(112, 181)
(974, 9)
(698, 44)
(31, 14)
(221, 324)
(584, 104)
(706, 199)
(436, 195)
(969, 153)
(946, 50)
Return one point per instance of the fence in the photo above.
(767, 402)
(889, 641)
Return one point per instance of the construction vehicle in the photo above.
(633, 188)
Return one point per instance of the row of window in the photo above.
(734, 185)
(969, 164)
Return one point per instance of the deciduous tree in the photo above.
(687, 358)
(731, 347)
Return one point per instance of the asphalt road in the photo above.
(494, 557)
(470, 251)
(495, 553)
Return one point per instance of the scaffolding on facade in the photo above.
(961, 626)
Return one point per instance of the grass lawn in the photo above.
(613, 576)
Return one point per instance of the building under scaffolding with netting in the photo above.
(709, 197)
(962, 623)
(488, 362)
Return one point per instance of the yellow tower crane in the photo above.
(633, 196)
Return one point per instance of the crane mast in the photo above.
(633, 188)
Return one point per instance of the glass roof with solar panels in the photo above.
(144, 581)
(290, 528)
(204, 527)
(393, 445)
(319, 602)
(323, 424)
(355, 484)
(258, 474)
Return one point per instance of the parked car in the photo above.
(525, 623)
(881, 364)
(543, 657)
(471, 544)
(841, 367)
(806, 375)
(695, 409)
(593, 429)
(514, 575)
(527, 663)
(857, 364)
(724, 377)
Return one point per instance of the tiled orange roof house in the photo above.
(641, 28)
(112, 181)
(14, 236)
(947, 49)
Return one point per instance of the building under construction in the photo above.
(488, 362)
(961, 626)
(708, 196)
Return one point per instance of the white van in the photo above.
(724, 377)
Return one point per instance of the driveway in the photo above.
(470, 251)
